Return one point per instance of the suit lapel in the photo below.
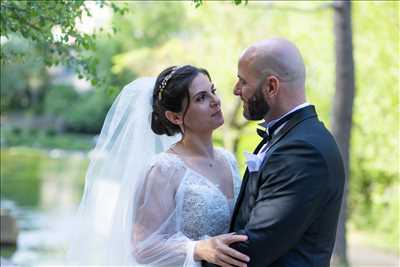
(244, 183)
(302, 114)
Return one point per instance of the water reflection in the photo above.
(42, 189)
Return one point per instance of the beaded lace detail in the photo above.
(202, 209)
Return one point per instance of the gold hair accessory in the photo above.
(165, 81)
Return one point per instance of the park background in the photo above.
(55, 93)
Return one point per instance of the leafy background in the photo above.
(43, 109)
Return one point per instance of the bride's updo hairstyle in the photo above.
(170, 91)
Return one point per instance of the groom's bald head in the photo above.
(271, 79)
(277, 57)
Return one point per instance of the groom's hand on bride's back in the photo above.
(216, 250)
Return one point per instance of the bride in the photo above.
(157, 192)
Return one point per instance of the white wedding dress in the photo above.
(178, 207)
(142, 206)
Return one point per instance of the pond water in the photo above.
(42, 190)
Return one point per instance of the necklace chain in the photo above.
(210, 163)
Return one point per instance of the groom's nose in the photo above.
(237, 90)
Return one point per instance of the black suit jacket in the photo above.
(289, 209)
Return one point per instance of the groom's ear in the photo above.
(271, 86)
(173, 117)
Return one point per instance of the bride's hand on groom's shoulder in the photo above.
(216, 250)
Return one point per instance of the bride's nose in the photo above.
(216, 101)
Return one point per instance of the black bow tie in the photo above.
(263, 134)
(269, 132)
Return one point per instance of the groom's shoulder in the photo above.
(312, 131)
(311, 136)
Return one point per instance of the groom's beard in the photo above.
(257, 107)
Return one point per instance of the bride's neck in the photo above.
(199, 145)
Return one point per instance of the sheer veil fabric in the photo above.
(108, 229)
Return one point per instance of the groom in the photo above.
(291, 193)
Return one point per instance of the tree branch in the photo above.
(233, 122)
(18, 16)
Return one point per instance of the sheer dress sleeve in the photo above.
(156, 237)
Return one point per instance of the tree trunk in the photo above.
(343, 110)
(236, 125)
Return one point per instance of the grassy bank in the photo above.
(45, 139)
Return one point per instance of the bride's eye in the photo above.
(200, 98)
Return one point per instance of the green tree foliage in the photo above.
(23, 82)
(142, 34)
(374, 190)
(88, 113)
(82, 112)
(198, 3)
(52, 25)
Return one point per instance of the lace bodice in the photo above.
(178, 206)
(202, 208)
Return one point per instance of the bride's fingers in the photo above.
(235, 254)
(232, 261)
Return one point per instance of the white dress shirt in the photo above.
(254, 161)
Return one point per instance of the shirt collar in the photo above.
(266, 125)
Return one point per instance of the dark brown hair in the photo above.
(172, 95)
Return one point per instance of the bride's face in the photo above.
(204, 112)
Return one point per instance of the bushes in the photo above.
(77, 112)
(45, 139)
(87, 114)
(69, 120)
(374, 203)
(59, 99)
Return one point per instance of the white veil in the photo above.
(102, 232)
